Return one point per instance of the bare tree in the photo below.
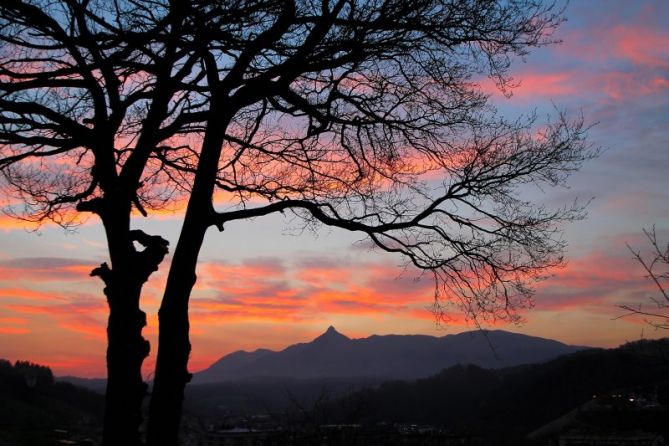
(656, 266)
(361, 115)
(86, 89)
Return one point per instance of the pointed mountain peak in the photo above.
(332, 334)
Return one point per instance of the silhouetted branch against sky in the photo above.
(363, 116)
(654, 261)
(367, 116)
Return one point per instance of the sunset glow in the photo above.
(269, 282)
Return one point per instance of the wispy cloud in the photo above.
(45, 269)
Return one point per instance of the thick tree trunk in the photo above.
(126, 348)
(126, 352)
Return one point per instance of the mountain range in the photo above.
(624, 390)
(334, 355)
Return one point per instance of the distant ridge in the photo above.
(334, 355)
(98, 385)
(589, 390)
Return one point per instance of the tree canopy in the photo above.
(366, 116)
(363, 115)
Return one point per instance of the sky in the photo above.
(267, 284)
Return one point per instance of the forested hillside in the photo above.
(33, 405)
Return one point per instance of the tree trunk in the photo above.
(126, 351)
(174, 347)
(126, 348)
(171, 374)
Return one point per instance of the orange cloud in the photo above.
(45, 269)
(352, 301)
(320, 272)
(14, 325)
(211, 312)
(304, 292)
(87, 326)
(79, 314)
(14, 330)
(28, 294)
(8, 223)
(13, 320)
(272, 290)
(86, 366)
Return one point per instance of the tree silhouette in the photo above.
(361, 115)
(656, 266)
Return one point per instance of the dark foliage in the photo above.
(32, 405)
(519, 399)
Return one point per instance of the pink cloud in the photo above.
(600, 279)
(617, 62)
(624, 85)
(531, 84)
(613, 84)
(640, 45)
